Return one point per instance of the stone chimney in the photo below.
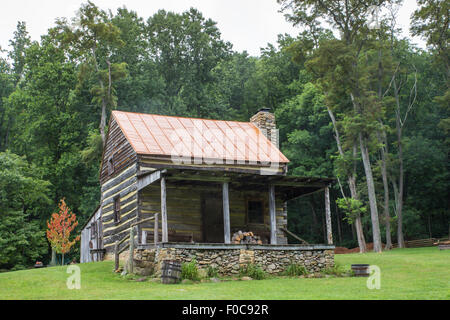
(265, 121)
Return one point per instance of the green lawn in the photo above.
(405, 274)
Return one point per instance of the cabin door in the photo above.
(212, 218)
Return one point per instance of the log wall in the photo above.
(125, 186)
(184, 209)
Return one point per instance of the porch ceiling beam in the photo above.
(289, 184)
(147, 179)
(199, 178)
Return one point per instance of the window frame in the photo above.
(263, 209)
(93, 230)
(116, 208)
(110, 165)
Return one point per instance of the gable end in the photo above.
(118, 153)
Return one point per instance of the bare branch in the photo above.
(413, 91)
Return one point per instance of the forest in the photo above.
(361, 104)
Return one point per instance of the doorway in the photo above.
(212, 216)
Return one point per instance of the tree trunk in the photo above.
(53, 261)
(358, 223)
(371, 194)
(103, 116)
(351, 184)
(103, 120)
(383, 150)
(370, 184)
(387, 217)
(400, 238)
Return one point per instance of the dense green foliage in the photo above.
(56, 93)
(23, 200)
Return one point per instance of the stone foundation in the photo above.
(228, 259)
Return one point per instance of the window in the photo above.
(110, 165)
(117, 209)
(255, 211)
(93, 230)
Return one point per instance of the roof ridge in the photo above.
(163, 115)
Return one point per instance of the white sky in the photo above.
(247, 24)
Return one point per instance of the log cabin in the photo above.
(205, 181)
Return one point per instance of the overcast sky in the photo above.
(247, 24)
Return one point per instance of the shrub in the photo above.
(295, 269)
(189, 271)
(212, 272)
(336, 270)
(252, 271)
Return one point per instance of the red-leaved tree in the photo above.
(59, 229)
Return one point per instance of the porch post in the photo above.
(226, 213)
(164, 210)
(328, 216)
(155, 229)
(272, 212)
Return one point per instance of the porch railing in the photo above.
(130, 244)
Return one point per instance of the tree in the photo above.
(17, 55)
(23, 197)
(432, 21)
(19, 44)
(60, 228)
(350, 18)
(186, 48)
(6, 88)
(91, 39)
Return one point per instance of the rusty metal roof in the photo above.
(205, 139)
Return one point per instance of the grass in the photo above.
(422, 273)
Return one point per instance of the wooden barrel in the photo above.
(171, 271)
(361, 270)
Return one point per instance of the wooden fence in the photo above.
(421, 242)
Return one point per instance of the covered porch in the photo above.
(203, 207)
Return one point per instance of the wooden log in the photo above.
(226, 212)
(165, 237)
(142, 221)
(124, 248)
(149, 179)
(131, 254)
(293, 235)
(272, 214)
(127, 173)
(144, 237)
(328, 216)
(116, 256)
(121, 187)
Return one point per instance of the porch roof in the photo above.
(286, 187)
